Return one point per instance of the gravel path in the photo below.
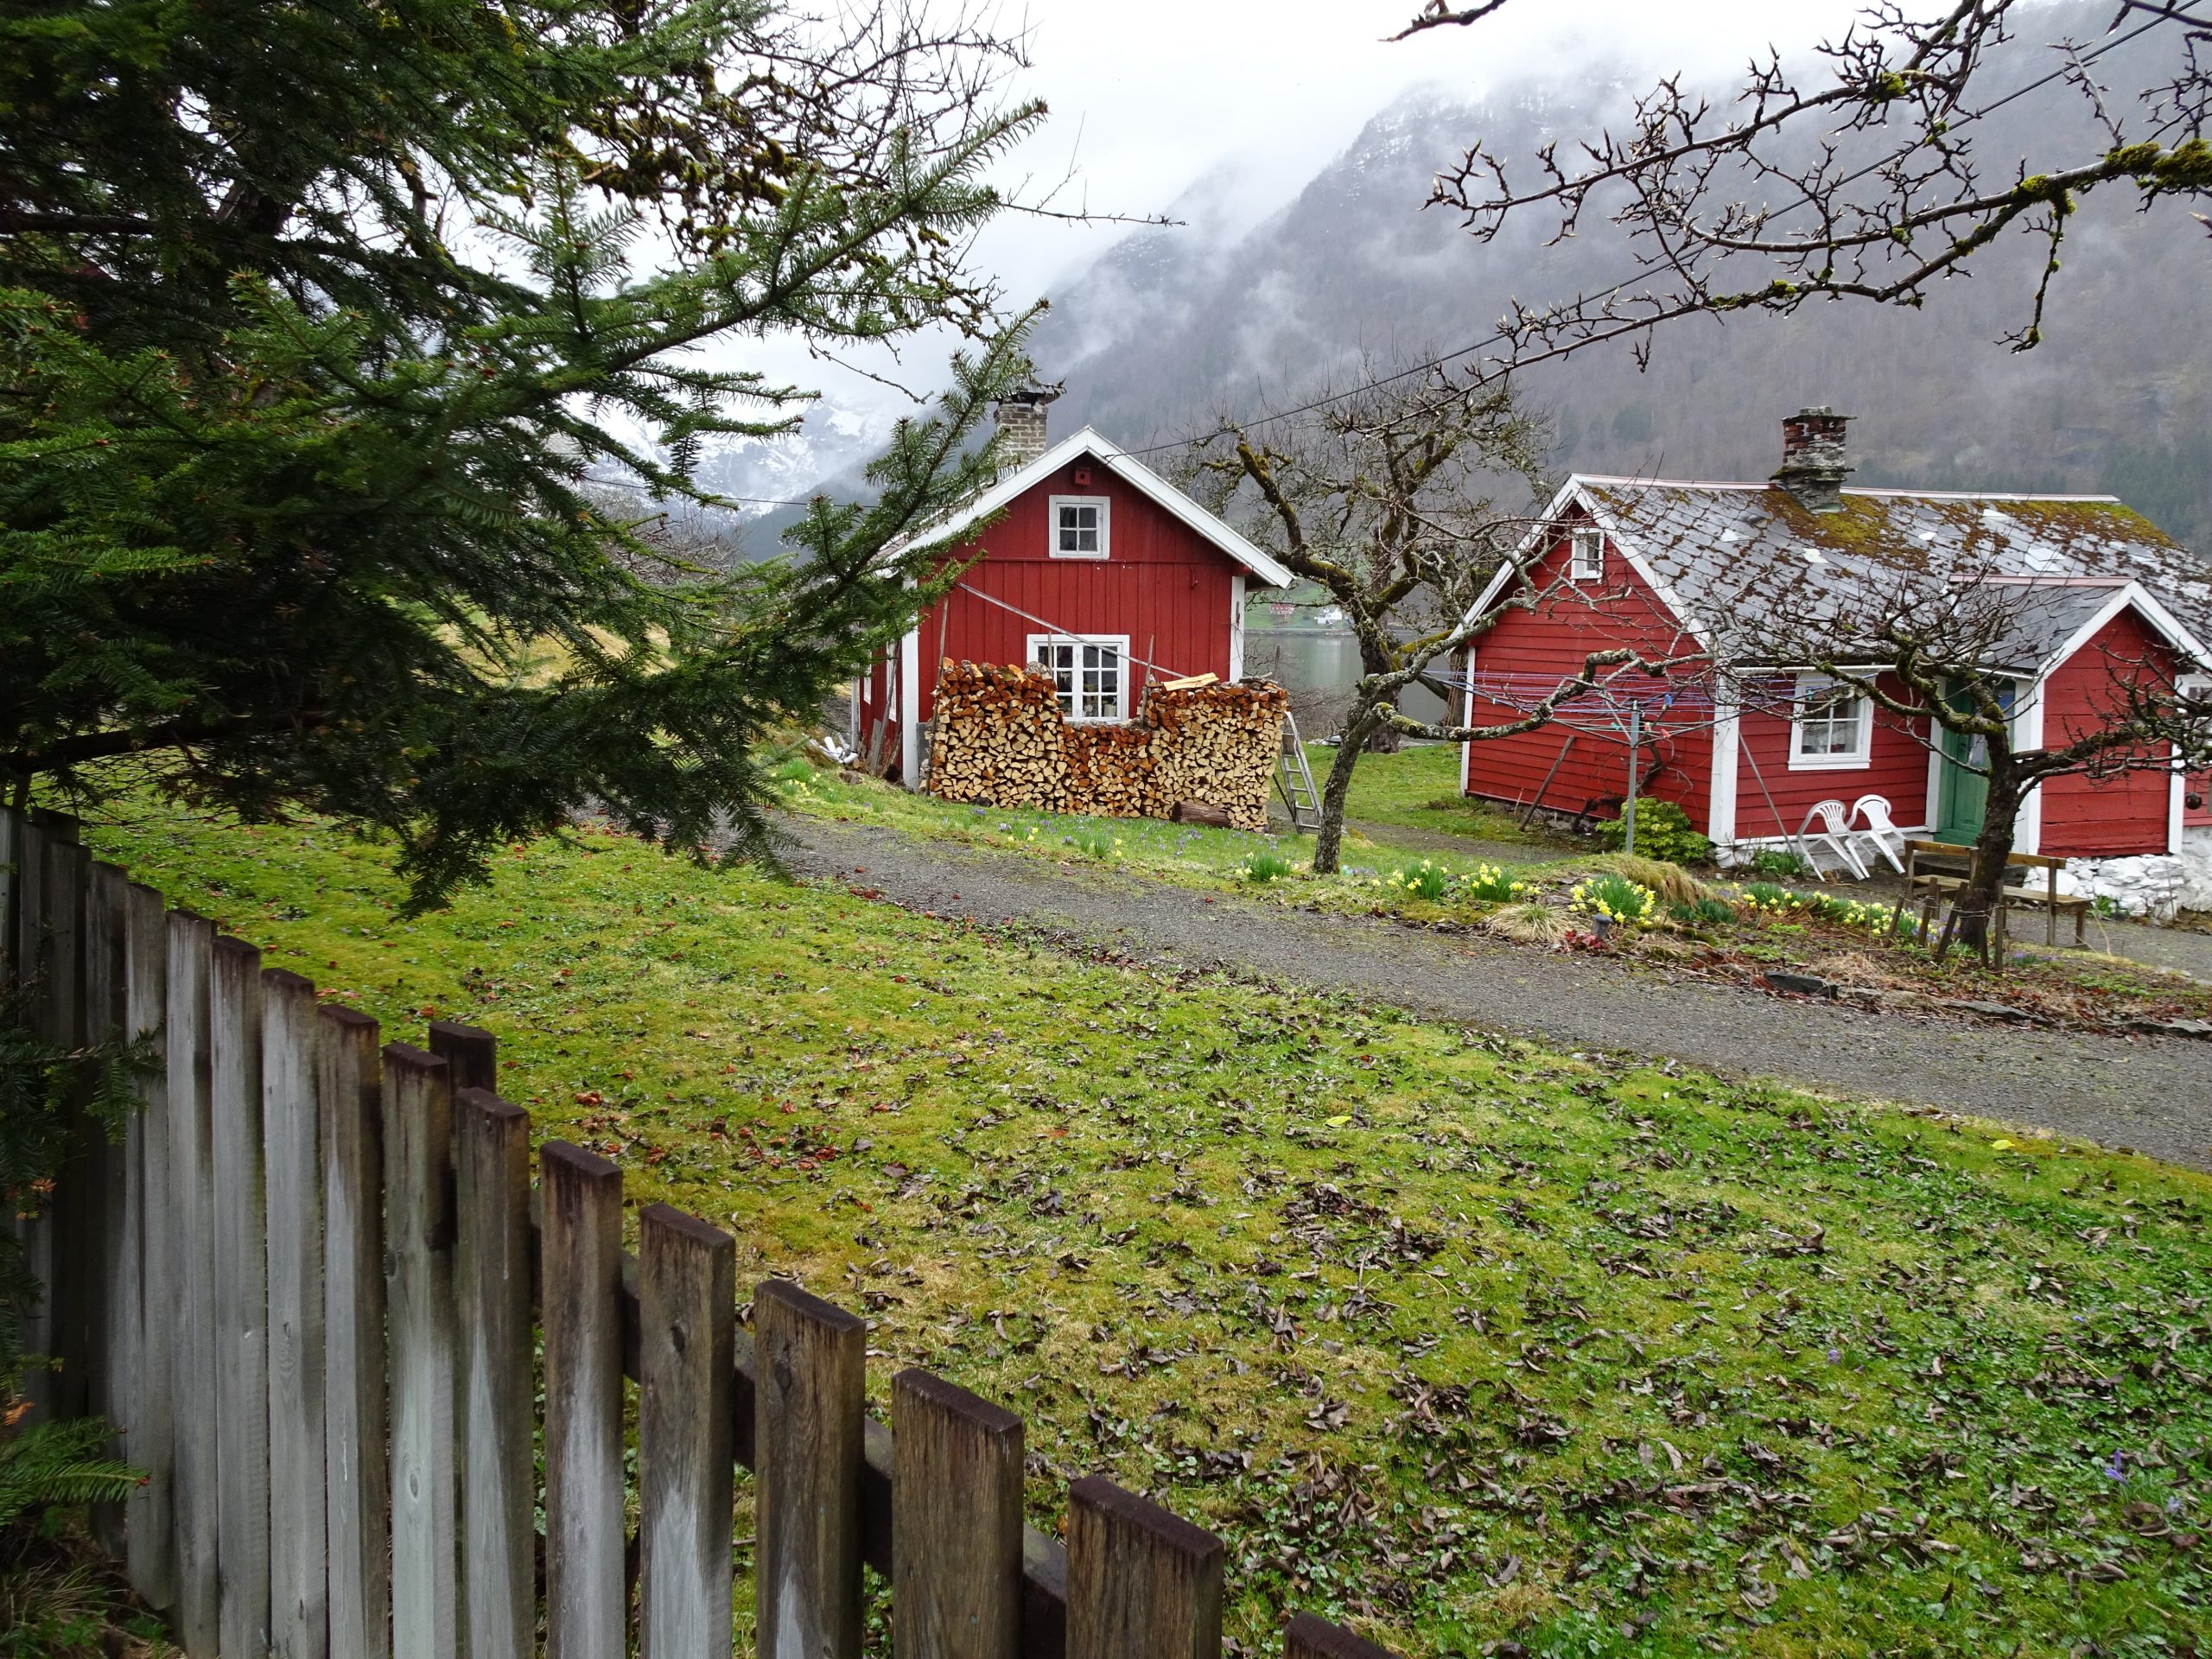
(2152, 1094)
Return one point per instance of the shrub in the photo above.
(1776, 861)
(1264, 866)
(1704, 913)
(1619, 900)
(1421, 881)
(1662, 831)
(1492, 885)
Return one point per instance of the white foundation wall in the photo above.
(2196, 867)
(2155, 885)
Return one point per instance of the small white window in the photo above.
(1081, 525)
(1092, 674)
(1585, 555)
(1831, 726)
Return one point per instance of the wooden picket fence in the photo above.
(305, 1287)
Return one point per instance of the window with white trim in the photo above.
(1585, 554)
(1091, 673)
(1081, 526)
(1831, 725)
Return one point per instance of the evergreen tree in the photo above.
(320, 322)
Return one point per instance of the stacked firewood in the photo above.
(999, 739)
(1218, 745)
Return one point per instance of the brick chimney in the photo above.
(1021, 425)
(1813, 465)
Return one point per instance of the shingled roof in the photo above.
(1738, 562)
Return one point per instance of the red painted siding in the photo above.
(1772, 800)
(2106, 817)
(1162, 584)
(1540, 648)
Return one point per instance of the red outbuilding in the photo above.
(1088, 564)
(1749, 747)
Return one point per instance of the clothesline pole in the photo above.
(1635, 746)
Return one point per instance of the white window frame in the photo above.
(1585, 554)
(1861, 754)
(1118, 643)
(1105, 506)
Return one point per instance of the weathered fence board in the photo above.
(35, 1235)
(580, 1207)
(1144, 1582)
(1309, 1638)
(149, 1430)
(241, 1295)
(191, 1188)
(114, 1233)
(292, 1133)
(956, 1525)
(425, 1466)
(808, 1383)
(356, 1466)
(687, 1292)
(471, 1055)
(492, 1266)
(70, 1237)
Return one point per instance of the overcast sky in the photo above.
(1148, 96)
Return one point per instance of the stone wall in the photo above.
(2151, 885)
(2197, 867)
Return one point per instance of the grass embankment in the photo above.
(1463, 1341)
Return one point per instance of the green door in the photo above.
(1964, 791)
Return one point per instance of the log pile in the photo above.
(999, 739)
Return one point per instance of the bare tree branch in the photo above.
(1439, 13)
(1865, 182)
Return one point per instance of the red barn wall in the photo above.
(1162, 584)
(2107, 817)
(1896, 767)
(1540, 648)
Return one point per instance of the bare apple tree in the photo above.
(1386, 499)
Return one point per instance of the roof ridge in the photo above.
(1639, 481)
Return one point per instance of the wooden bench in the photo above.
(1936, 885)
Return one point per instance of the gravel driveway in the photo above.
(2151, 1094)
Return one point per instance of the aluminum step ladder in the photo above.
(1294, 778)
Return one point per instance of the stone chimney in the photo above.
(1813, 465)
(1021, 425)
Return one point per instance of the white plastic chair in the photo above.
(1881, 828)
(1835, 829)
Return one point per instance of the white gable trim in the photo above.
(1132, 472)
(2136, 596)
(1572, 492)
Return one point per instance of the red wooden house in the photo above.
(1747, 747)
(1092, 567)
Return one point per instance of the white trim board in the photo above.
(1727, 739)
(909, 707)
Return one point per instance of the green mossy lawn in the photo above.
(1467, 1344)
